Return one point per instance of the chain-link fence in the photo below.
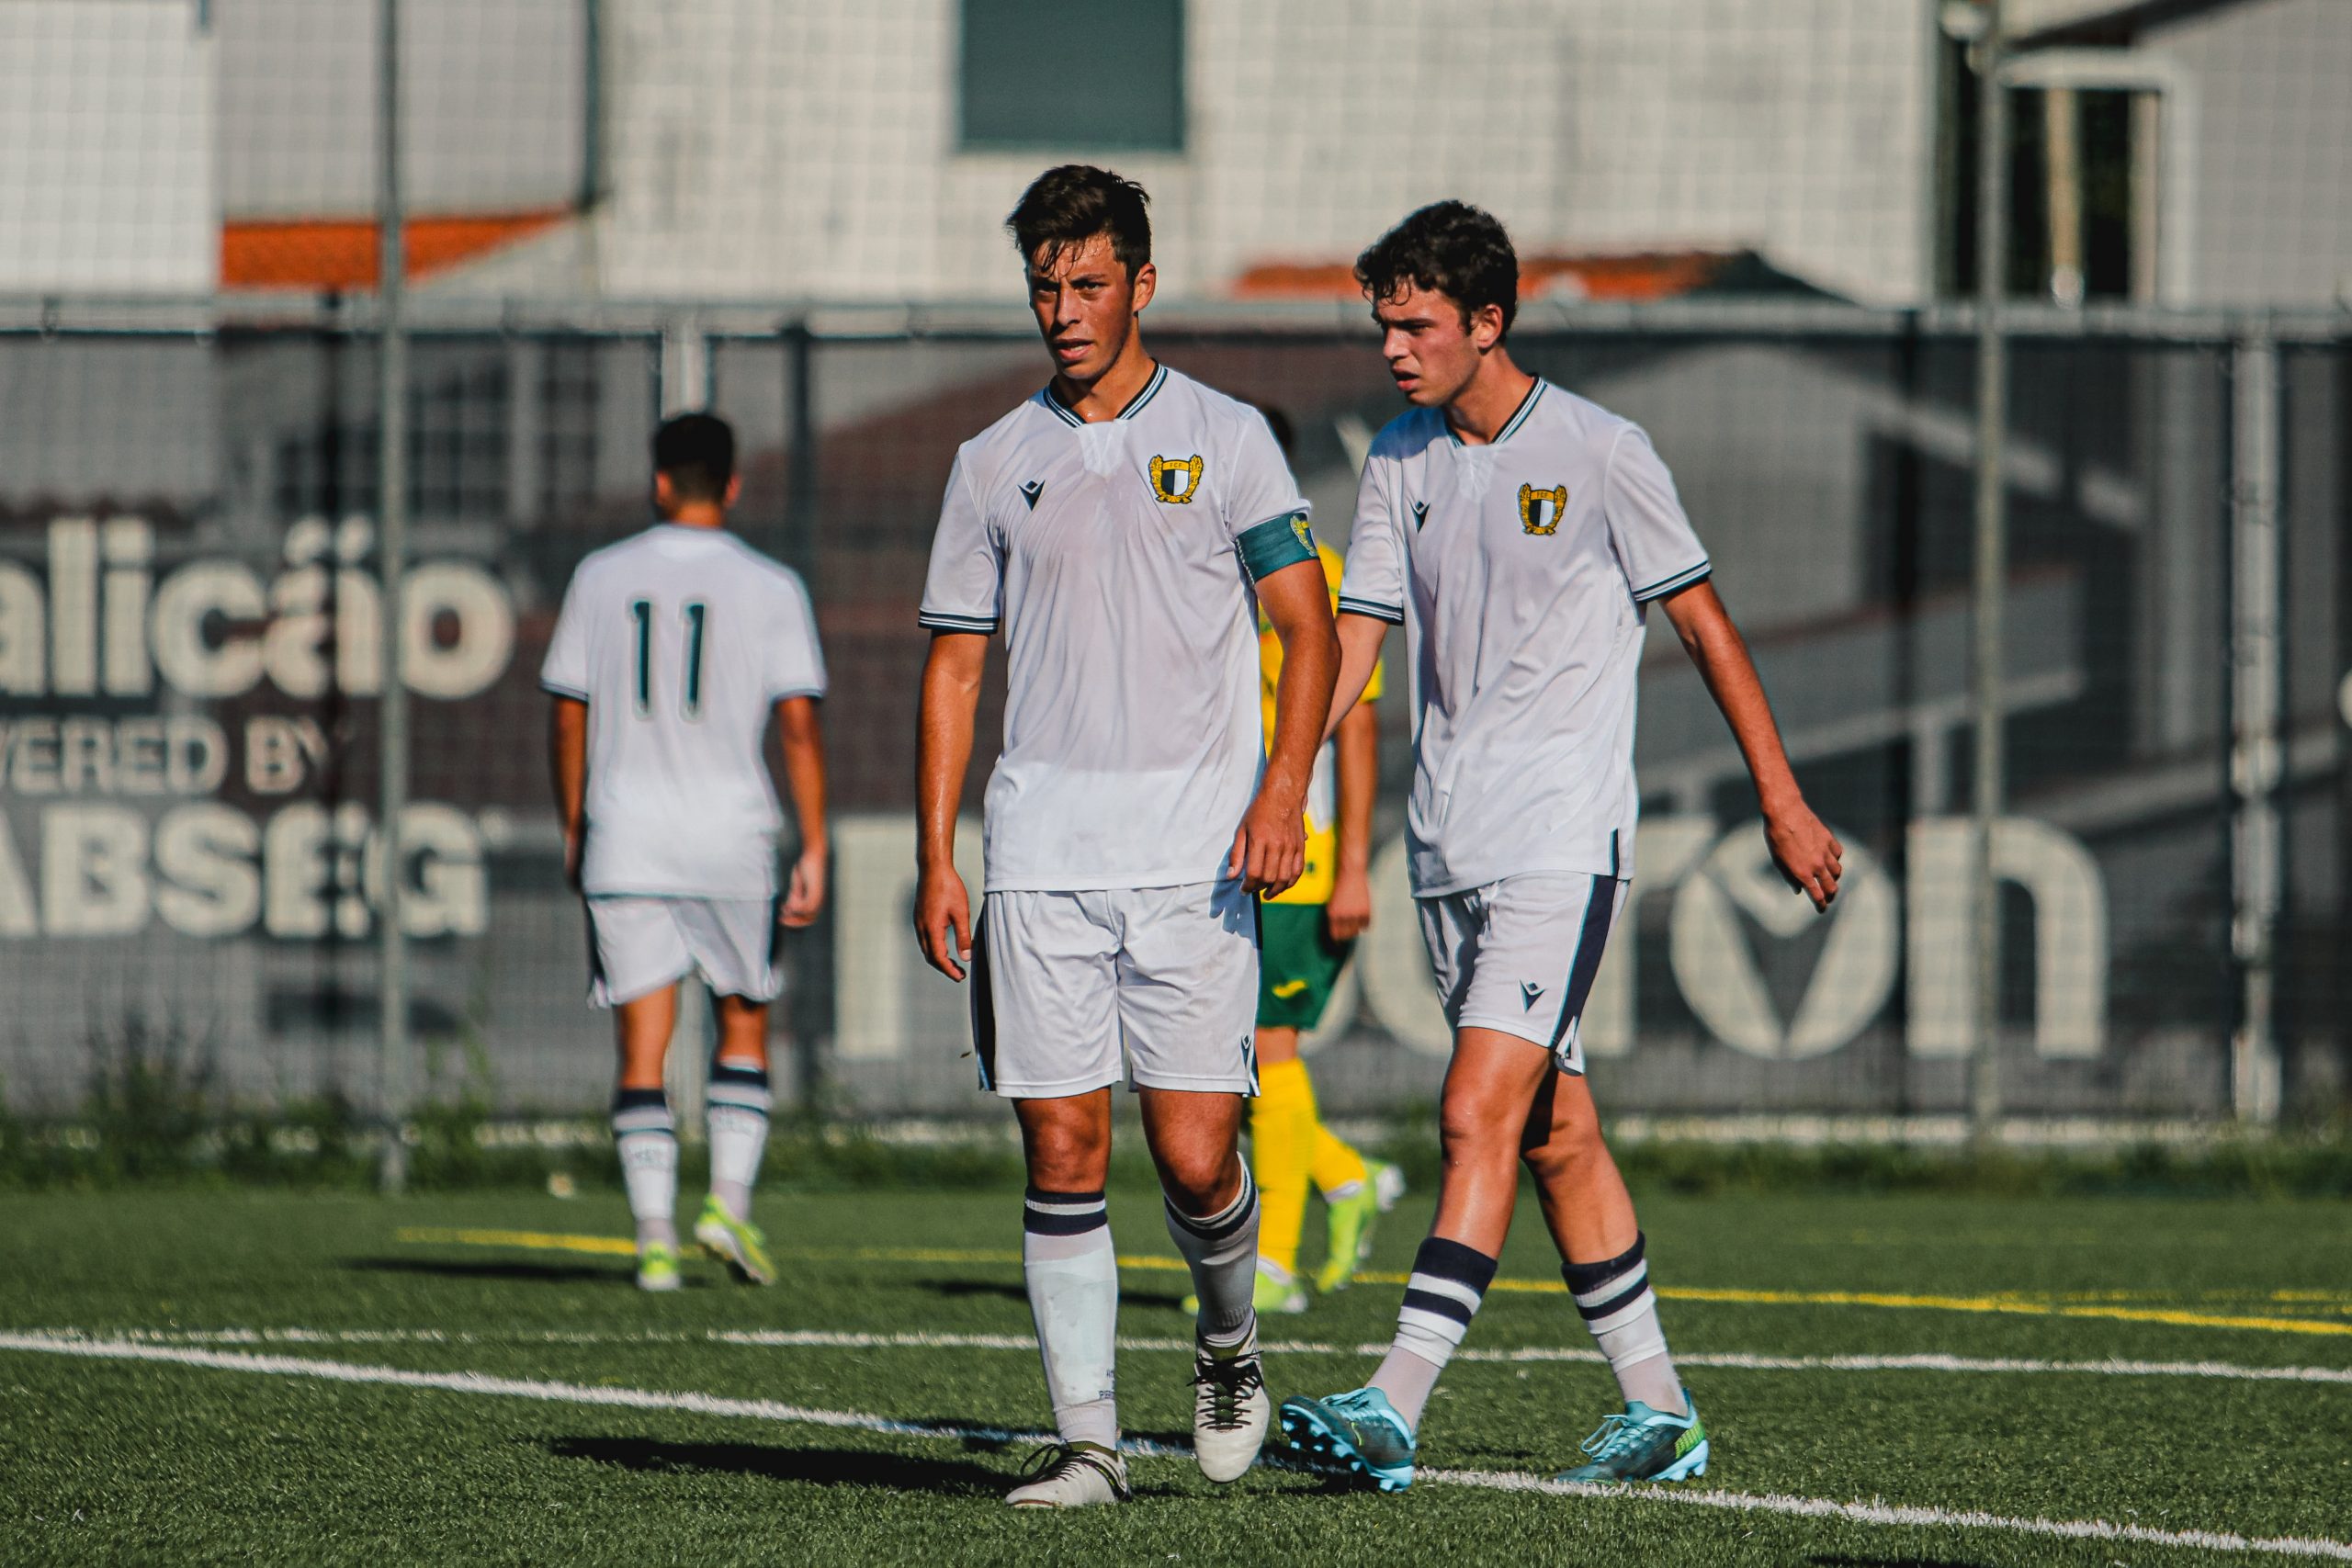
(189, 666)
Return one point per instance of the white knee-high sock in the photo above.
(1618, 1306)
(1448, 1281)
(648, 1142)
(737, 1119)
(1073, 1280)
(1222, 1249)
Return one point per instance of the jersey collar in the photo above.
(1519, 417)
(1134, 404)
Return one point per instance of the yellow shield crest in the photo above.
(1540, 510)
(1175, 479)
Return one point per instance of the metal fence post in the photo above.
(812, 1002)
(1991, 567)
(2257, 743)
(391, 539)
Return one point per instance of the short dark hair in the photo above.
(1070, 205)
(698, 451)
(1285, 433)
(1451, 247)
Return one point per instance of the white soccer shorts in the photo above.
(1064, 983)
(638, 945)
(1519, 955)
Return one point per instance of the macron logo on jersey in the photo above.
(1031, 490)
(1420, 514)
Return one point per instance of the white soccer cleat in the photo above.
(1072, 1476)
(1231, 1410)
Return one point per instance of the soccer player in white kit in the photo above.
(673, 650)
(1121, 528)
(1520, 532)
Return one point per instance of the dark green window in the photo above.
(1067, 75)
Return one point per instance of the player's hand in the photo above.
(944, 921)
(1270, 847)
(572, 857)
(804, 894)
(1349, 914)
(1809, 856)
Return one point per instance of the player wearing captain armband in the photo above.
(674, 651)
(1519, 534)
(1122, 527)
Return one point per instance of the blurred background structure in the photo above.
(1752, 228)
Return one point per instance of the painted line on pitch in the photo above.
(1527, 1355)
(2013, 1305)
(480, 1384)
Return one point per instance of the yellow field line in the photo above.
(622, 1246)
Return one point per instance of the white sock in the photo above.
(737, 1119)
(1618, 1306)
(1073, 1279)
(1223, 1251)
(648, 1142)
(1448, 1281)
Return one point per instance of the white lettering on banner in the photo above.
(208, 869)
(212, 628)
(181, 755)
(281, 753)
(1719, 884)
(1718, 974)
(877, 965)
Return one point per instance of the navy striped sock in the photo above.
(1615, 1301)
(737, 1119)
(646, 1139)
(1448, 1282)
(1073, 1279)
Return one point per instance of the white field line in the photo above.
(1872, 1513)
(829, 1340)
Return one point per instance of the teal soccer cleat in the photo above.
(1357, 1433)
(1643, 1444)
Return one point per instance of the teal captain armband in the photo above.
(1267, 548)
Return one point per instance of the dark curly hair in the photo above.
(1071, 204)
(1451, 247)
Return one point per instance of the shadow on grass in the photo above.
(1841, 1560)
(821, 1467)
(956, 1289)
(471, 1268)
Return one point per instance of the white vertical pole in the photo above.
(1991, 565)
(391, 532)
(2257, 740)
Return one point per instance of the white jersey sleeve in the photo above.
(1264, 510)
(565, 670)
(795, 663)
(1374, 582)
(964, 591)
(1657, 548)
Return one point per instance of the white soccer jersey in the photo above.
(1519, 571)
(681, 641)
(1119, 558)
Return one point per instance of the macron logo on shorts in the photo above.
(1527, 993)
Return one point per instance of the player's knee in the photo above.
(1199, 1181)
(1474, 1128)
(1567, 1149)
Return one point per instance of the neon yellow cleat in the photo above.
(736, 1242)
(657, 1267)
(1351, 1219)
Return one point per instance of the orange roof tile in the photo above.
(339, 254)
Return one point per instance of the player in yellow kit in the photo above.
(1307, 933)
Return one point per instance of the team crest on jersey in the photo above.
(1540, 510)
(1175, 479)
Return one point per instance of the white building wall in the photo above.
(106, 148)
(809, 150)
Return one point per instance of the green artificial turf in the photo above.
(141, 1462)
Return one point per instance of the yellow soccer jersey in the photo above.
(1322, 789)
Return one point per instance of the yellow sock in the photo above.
(1279, 1150)
(1330, 1164)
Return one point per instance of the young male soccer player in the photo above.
(1117, 527)
(1308, 931)
(1519, 533)
(673, 650)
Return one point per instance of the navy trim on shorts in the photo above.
(983, 1000)
(1598, 912)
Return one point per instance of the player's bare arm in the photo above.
(567, 764)
(1270, 847)
(1360, 638)
(1808, 854)
(1357, 770)
(801, 740)
(951, 696)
